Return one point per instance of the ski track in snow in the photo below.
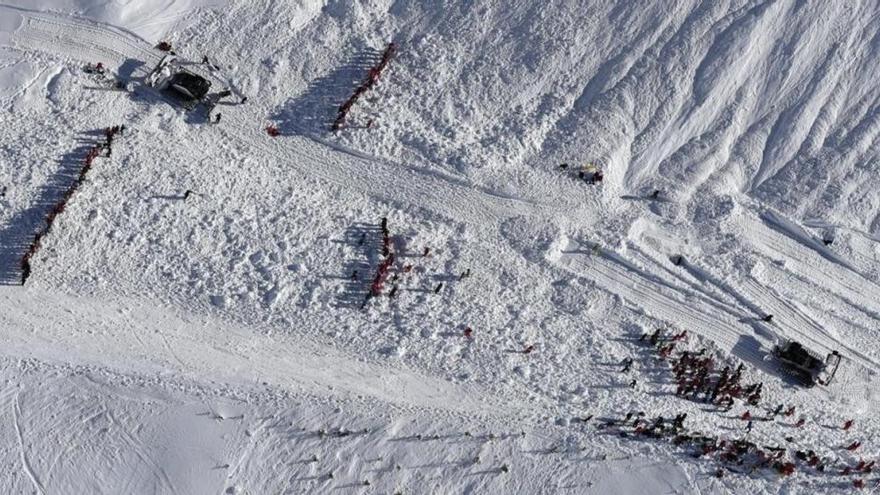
(25, 464)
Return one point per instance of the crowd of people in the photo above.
(93, 152)
(372, 78)
(697, 378)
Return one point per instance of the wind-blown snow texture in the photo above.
(221, 343)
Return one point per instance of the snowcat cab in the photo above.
(804, 366)
(183, 84)
(189, 85)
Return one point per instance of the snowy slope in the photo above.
(205, 343)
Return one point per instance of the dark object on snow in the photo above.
(272, 131)
(426, 252)
(164, 46)
(224, 93)
(393, 292)
(655, 194)
(189, 85)
(187, 194)
(767, 319)
(217, 118)
(372, 78)
(827, 241)
(25, 271)
(563, 166)
(804, 366)
(437, 289)
(677, 260)
(465, 274)
(97, 68)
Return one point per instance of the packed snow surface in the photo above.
(197, 318)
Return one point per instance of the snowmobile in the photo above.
(804, 366)
(187, 87)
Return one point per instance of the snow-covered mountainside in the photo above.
(238, 299)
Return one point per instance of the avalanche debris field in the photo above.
(439, 247)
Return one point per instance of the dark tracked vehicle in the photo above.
(804, 366)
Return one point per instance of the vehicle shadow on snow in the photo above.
(18, 234)
(313, 111)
